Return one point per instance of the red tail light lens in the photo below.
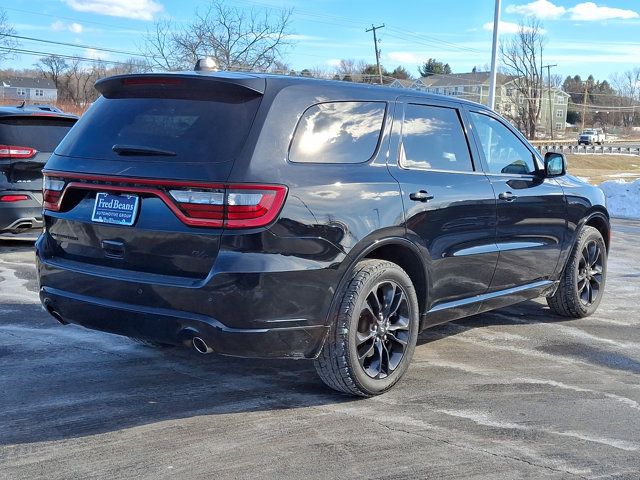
(251, 206)
(151, 81)
(196, 204)
(13, 198)
(236, 206)
(52, 189)
(13, 151)
(201, 204)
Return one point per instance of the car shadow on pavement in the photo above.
(530, 312)
(60, 382)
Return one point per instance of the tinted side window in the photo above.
(432, 138)
(505, 153)
(338, 132)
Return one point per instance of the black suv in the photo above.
(28, 135)
(272, 216)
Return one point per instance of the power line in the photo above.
(69, 57)
(76, 45)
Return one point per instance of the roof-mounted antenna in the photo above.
(207, 64)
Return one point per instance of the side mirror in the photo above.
(555, 164)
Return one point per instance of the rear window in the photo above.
(196, 131)
(338, 132)
(41, 133)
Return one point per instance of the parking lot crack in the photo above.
(475, 449)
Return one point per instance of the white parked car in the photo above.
(592, 136)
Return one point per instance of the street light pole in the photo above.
(494, 57)
(548, 67)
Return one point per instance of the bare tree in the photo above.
(75, 78)
(522, 59)
(8, 42)
(130, 65)
(53, 67)
(235, 38)
(627, 85)
(160, 47)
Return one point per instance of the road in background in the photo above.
(515, 393)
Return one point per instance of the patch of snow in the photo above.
(623, 198)
(623, 175)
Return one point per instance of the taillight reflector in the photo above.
(14, 151)
(13, 198)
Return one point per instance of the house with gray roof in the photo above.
(474, 86)
(31, 90)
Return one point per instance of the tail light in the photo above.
(235, 206)
(13, 198)
(13, 151)
(203, 204)
(195, 204)
(52, 189)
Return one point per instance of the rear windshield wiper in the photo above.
(140, 150)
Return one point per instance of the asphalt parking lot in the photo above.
(516, 393)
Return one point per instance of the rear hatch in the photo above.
(139, 183)
(26, 142)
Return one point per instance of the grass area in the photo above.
(598, 168)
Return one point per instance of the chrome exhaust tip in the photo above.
(56, 315)
(201, 346)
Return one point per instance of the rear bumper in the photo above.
(179, 328)
(20, 217)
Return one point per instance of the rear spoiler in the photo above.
(183, 84)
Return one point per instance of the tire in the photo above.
(364, 355)
(583, 280)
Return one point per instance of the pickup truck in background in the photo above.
(592, 136)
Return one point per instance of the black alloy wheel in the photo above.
(383, 329)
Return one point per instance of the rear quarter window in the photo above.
(338, 132)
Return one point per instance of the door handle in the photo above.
(421, 196)
(507, 196)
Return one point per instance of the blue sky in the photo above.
(600, 37)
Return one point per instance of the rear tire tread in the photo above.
(332, 364)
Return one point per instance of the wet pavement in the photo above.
(515, 393)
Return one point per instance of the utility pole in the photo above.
(494, 57)
(584, 104)
(375, 44)
(548, 67)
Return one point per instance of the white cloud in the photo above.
(508, 27)
(136, 9)
(590, 12)
(333, 62)
(94, 54)
(75, 28)
(539, 8)
(403, 57)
